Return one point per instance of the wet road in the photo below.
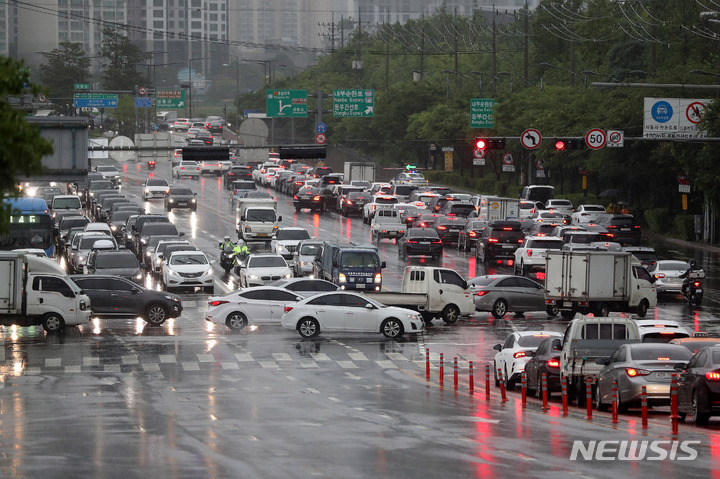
(189, 399)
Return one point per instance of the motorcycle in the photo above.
(692, 288)
(151, 165)
(227, 258)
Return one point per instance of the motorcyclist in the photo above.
(686, 275)
(241, 250)
(226, 243)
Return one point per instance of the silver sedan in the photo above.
(634, 366)
(503, 293)
(667, 275)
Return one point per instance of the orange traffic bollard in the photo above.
(644, 404)
(563, 383)
(588, 397)
(674, 404)
(502, 386)
(614, 401)
(455, 374)
(523, 388)
(487, 380)
(472, 380)
(427, 363)
(442, 370)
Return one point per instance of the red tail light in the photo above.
(262, 171)
(507, 229)
(696, 284)
(472, 234)
(612, 227)
(659, 275)
(373, 207)
(637, 227)
(492, 240)
(287, 309)
(295, 197)
(437, 242)
(632, 372)
(540, 276)
(348, 202)
(519, 354)
(316, 198)
(412, 241)
(481, 293)
(529, 252)
(217, 303)
(712, 376)
(553, 363)
(441, 227)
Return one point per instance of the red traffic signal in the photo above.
(489, 143)
(480, 143)
(562, 144)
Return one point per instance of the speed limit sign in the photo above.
(595, 138)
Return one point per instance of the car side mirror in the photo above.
(279, 218)
(383, 264)
(556, 344)
(497, 347)
(601, 361)
(242, 218)
(680, 366)
(369, 306)
(181, 234)
(135, 290)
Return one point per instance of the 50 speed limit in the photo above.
(595, 138)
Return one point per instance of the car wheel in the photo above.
(392, 328)
(308, 327)
(236, 321)
(53, 323)
(450, 314)
(700, 418)
(642, 308)
(156, 314)
(500, 308)
(603, 309)
(598, 401)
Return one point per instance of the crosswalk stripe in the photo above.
(347, 364)
(282, 357)
(386, 364)
(357, 356)
(242, 357)
(320, 357)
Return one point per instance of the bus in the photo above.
(30, 225)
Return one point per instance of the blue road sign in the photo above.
(662, 111)
(320, 127)
(95, 100)
(143, 102)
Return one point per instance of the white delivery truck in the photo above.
(587, 339)
(387, 224)
(359, 171)
(597, 282)
(258, 223)
(37, 290)
(431, 291)
(492, 208)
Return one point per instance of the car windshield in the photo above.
(157, 183)
(462, 210)
(309, 249)
(659, 353)
(107, 169)
(260, 215)
(101, 185)
(508, 235)
(120, 260)
(181, 191)
(482, 280)
(68, 223)
(73, 203)
(267, 262)
(359, 259)
(672, 265)
(88, 241)
(181, 259)
(532, 341)
(292, 234)
(594, 208)
(152, 229)
(546, 243)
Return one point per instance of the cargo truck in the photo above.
(492, 208)
(36, 291)
(258, 223)
(597, 282)
(359, 171)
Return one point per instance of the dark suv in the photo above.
(623, 228)
(116, 297)
(499, 241)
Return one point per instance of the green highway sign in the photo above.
(481, 113)
(95, 100)
(170, 99)
(354, 103)
(286, 103)
(82, 86)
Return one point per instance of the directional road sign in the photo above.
(286, 103)
(143, 102)
(170, 99)
(481, 113)
(82, 86)
(595, 138)
(354, 103)
(531, 138)
(95, 100)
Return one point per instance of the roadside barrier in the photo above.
(502, 385)
(615, 400)
(523, 388)
(545, 392)
(674, 404)
(563, 384)
(644, 405)
(588, 397)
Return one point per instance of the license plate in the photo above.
(262, 234)
(698, 290)
(507, 246)
(567, 304)
(424, 242)
(624, 229)
(662, 375)
(182, 203)
(361, 285)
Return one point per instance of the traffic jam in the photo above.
(581, 266)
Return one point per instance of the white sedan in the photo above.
(349, 312)
(188, 269)
(517, 350)
(587, 214)
(261, 269)
(154, 188)
(261, 304)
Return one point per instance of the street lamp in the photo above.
(550, 65)
(585, 73)
(447, 82)
(237, 85)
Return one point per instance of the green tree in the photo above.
(121, 59)
(65, 66)
(21, 146)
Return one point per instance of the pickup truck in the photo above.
(387, 224)
(586, 340)
(433, 292)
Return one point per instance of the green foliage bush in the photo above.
(658, 220)
(684, 227)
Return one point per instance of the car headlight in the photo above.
(378, 277)
(193, 200)
(81, 258)
(288, 276)
(208, 272)
(172, 272)
(143, 240)
(171, 200)
(253, 276)
(113, 228)
(342, 278)
(172, 298)
(302, 263)
(414, 317)
(138, 276)
(147, 191)
(148, 253)
(281, 249)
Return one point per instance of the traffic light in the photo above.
(489, 143)
(562, 144)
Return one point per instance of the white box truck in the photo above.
(37, 290)
(492, 208)
(359, 171)
(431, 291)
(597, 282)
(258, 223)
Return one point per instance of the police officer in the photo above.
(227, 243)
(241, 250)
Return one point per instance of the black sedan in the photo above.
(116, 297)
(237, 172)
(546, 359)
(699, 385)
(179, 197)
(470, 233)
(448, 228)
(312, 198)
(354, 203)
(420, 242)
